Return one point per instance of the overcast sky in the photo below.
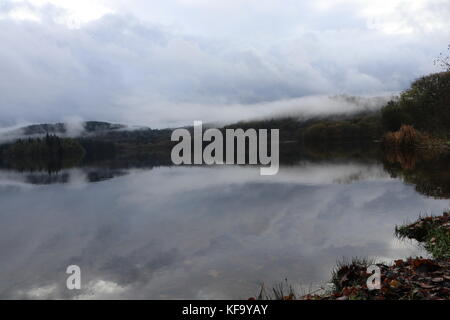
(164, 63)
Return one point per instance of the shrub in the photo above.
(406, 137)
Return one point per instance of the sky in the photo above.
(168, 63)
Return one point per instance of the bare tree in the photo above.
(443, 61)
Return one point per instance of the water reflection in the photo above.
(62, 176)
(428, 171)
(197, 232)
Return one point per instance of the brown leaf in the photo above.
(398, 263)
(426, 286)
(394, 283)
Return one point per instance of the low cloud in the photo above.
(74, 126)
(179, 114)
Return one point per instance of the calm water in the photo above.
(197, 232)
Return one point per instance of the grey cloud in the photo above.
(122, 68)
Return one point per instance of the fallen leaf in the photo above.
(426, 286)
(398, 263)
(394, 283)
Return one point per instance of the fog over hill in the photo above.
(300, 109)
(69, 129)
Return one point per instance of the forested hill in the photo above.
(424, 107)
(64, 128)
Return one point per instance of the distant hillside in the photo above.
(62, 128)
(356, 127)
(96, 130)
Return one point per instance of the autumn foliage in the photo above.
(406, 137)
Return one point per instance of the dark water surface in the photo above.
(198, 232)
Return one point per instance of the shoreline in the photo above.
(411, 279)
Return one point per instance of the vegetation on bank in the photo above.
(420, 117)
(413, 278)
(409, 138)
(425, 106)
(410, 279)
(433, 232)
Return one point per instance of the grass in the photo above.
(415, 230)
(286, 291)
(350, 270)
(346, 272)
(438, 243)
(405, 137)
(281, 291)
(432, 231)
(409, 138)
